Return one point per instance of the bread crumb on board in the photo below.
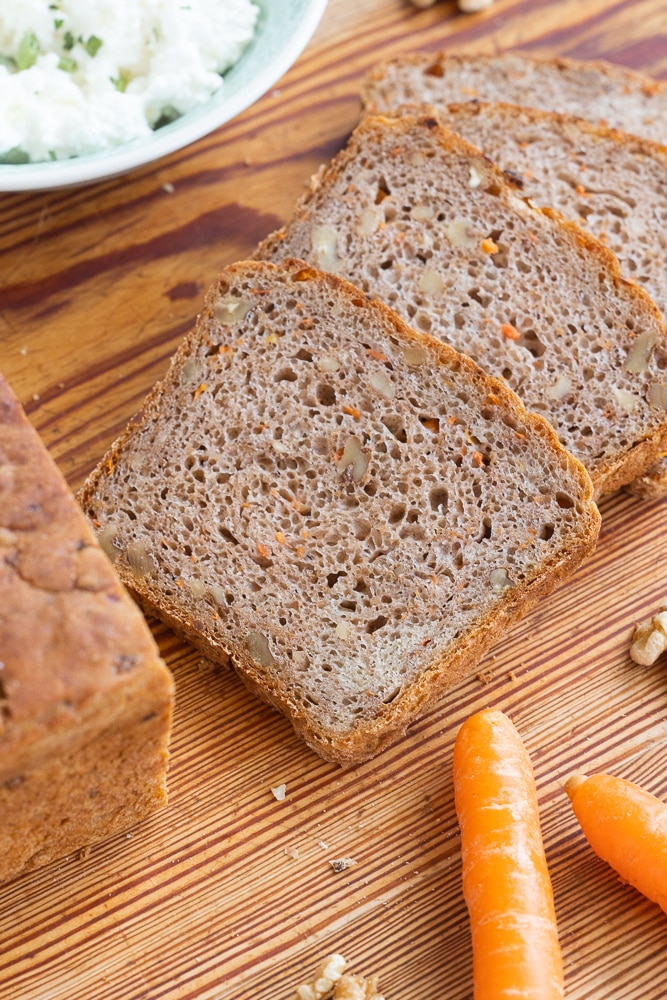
(279, 792)
(341, 864)
(331, 982)
(649, 640)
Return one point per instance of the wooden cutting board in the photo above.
(230, 893)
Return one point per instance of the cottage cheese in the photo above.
(77, 76)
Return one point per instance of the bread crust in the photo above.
(378, 729)
(85, 700)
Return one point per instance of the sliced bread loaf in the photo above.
(600, 91)
(418, 217)
(350, 509)
(85, 700)
(612, 184)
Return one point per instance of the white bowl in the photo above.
(283, 31)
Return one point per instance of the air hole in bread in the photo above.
(392, 696)
(376, 624)
(486, 529)
(564, 500)
(430, 423)
(382, 191)
(286, 375)
(477, 295)
(532, 343)
(326, 394)
(362, 530)
(396, 514)
(501, 258)
(396, 427)
(228, 536)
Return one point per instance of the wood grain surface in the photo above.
(230, 893)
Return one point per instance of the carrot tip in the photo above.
(574, 782)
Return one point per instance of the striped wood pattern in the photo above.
(229, 893)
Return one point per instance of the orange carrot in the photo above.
(627, 827)
(506, 882)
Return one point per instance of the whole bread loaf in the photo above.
(349, 509)
(85, 700)
(419, 218)
(612, 184)
(600, 91)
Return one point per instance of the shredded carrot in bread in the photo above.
(510, 331)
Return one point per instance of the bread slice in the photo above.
(600, 91)
(349, 509)
(85, 700)
(421, 219)
(608, 94)
(610, 183)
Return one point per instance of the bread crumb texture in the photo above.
(348, 508)
(85, 700)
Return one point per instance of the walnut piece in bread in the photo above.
(85, 700)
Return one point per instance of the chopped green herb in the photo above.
(28, 50)
(52, 154)
(120, 82)
(14, 155)
(58, 22)
(68, 41)
(169, 114)
(93, 44)
(8, 62)
(68, 64)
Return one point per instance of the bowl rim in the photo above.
(91, 167)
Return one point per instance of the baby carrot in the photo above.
(506, 884)
(627, 827)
